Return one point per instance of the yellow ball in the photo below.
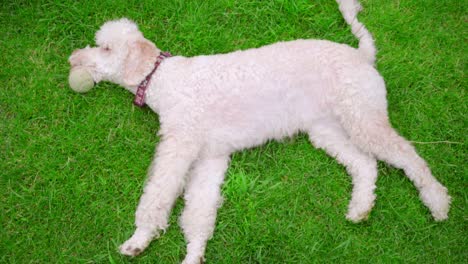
(80, 80)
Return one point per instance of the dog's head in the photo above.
(122, 55)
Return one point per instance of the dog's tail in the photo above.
(350, 9)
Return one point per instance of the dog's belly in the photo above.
(240, 122)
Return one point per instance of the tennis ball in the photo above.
(80, 80)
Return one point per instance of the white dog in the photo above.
(212, 106)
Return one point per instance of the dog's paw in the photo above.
(437, 199)
(356, 216)
(440, 210)
(360, 207)
(137, 243)
(129, 249)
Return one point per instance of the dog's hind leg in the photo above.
(202, 199)
(373, 133)
(173, 159)
(330, 136)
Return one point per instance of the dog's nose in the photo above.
(74, 59)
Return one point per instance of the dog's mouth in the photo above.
(77, 60)
(87, 68)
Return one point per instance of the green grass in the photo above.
(72, 166)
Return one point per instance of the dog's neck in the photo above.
(143, 86)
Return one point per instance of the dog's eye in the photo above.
(106, 48)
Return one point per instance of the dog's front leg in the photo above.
(166, 179)
(202, 199)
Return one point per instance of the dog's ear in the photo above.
(140, 58)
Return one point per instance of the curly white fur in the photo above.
(212, 106)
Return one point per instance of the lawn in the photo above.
(72, 166)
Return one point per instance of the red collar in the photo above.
(141, 90)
